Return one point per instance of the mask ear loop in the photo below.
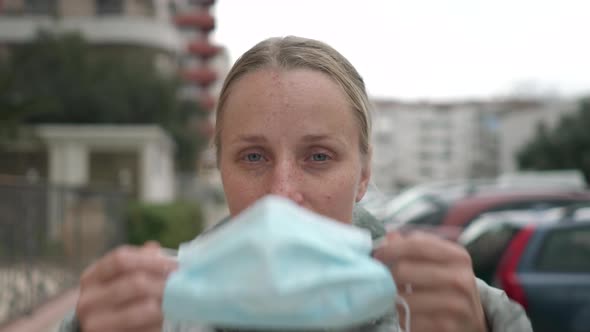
(400, 300)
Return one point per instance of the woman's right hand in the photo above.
(123, 290)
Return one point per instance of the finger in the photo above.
(421, 323)
(140, 316)
(418, 323)
(432, 276)
(444, 232)
(127, 259)
(151, 246)
(146, 329)
(436, 311)
(423, 247)
(442, 302)
(126, 289)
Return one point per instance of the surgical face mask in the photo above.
(279, 266)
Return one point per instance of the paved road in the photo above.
(47, 317)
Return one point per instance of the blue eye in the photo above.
(319, 157)
(253, 157)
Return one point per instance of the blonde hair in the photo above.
(295, 53)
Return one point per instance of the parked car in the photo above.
(547, 269)
(449, 211)
(541, 260)
(487, 237)
(449, 190)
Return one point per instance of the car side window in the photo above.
(534, 205)
(565, 250)
(423, 211)
(487, 249)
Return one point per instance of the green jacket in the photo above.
(502, 314)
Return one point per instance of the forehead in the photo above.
(273, 90)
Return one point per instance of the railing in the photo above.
(48, 235)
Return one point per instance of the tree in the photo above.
(63, 79)
(567, 146)
(14, 107)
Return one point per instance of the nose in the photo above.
(286, 181)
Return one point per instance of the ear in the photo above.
(365, 176)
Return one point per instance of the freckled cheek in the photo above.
(240, 191)
(335, 199)
(244, 194)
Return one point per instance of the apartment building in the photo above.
(420, 142)
(416, 143)
(173, 34)
(125, 25)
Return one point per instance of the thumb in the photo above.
(385, 251)
(151, 246)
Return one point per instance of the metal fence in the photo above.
(48, 235)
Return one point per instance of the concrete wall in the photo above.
(13, 5)
(157, 172)
(140, 8)
(70, 148)
(69, 8)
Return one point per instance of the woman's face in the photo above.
(291, 133)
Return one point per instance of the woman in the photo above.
(293, 120)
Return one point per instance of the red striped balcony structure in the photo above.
(201, 20)
(203, 49)
(203, 76)
(207, 101)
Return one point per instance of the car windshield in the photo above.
(414, 207)
(486, 241)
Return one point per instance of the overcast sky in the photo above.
(435, 49)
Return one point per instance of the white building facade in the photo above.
(414, 143)
(134, 158)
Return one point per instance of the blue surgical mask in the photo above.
(279, 266)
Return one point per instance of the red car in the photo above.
(449, 212)
(541, 260)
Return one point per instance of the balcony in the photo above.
(202, 76)
(191, 92)
(200, 19)
(207, 102)
(202, 2)
(203, 49)
(136, 31)
(206, 128)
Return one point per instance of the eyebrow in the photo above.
(323, 137)
(250, 139)
(310, 138)
(316, 138)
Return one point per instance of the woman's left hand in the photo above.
(436, 279)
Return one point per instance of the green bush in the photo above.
(169, 224)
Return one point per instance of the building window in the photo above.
(426, 124)
(191, 33)
(40, 6)
(425, 139)
(191, 62)
(108, 7)
(384, 138)
(198, 4)
(173, 8)
(426, 171)
(424, 156)
(446, 155)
